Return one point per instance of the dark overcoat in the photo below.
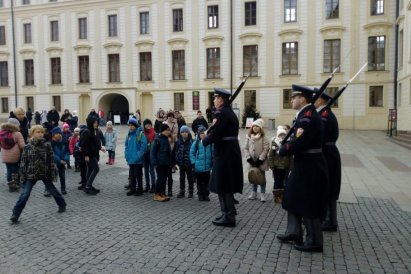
(330, 150)
(227, 173)
(306, 190)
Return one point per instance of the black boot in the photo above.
(131, 192)
(314, 239)
(330, 223)
(294, 232)
(181, 194)
(190, 194)
(227, 207)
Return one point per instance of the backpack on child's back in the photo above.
(6, 139)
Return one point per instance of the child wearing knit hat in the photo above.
(256, 150)
(279, 164)
(111, 142)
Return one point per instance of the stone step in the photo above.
(401, 143)
(402, 138)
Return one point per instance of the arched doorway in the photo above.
(115, 104)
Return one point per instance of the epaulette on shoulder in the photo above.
(325, 113)
(308, 113)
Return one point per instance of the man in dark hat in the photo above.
(332, 156)
(306, 187)
(227, 174)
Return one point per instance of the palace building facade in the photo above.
(126, 55)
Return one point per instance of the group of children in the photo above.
(143, 149)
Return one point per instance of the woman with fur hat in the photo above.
(256, 150)
(12, 144)
(279, 164)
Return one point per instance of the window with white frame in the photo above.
(290, 11)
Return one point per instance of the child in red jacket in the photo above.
(72, 143)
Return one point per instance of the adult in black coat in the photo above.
(66, 117)
(53, 117)
(227, 175)
(332, 155)
(305, 195)
(199, 121)
(29, 116)
(90, 144)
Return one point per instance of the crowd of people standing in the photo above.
(207, 154)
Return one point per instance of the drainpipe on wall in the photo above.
(14, 52)
(397, 13)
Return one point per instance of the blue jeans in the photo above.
(25, 194)
(12, 169)
(149, 172)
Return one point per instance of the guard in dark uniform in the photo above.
(227, 174)
(307, 186)
(332, 156)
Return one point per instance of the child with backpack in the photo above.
(183, 146)
(11, 143)
(202, 159)
(135, 148)
(72, 144)
(280, 165)
(111, 139)
(37, 163)
(61, 156)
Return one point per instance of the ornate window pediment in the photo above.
(332, 30)
(82, 49)
(378, 27)
(27, 53)
(4, 55)
(290, 34)
(113, 47)
(145, 45)
(213, 40)
(177, 43)
(250, 37)
(54, 51)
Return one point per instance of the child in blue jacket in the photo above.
(61, 156)
(202, 159)
(135, 148)
(182, 148)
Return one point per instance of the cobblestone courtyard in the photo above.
(113, 233)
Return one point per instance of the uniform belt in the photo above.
(312, 151)
(229, 138)
(330, 143)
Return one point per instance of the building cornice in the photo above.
(145, 42)
(177, 41)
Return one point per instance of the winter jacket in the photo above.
(201, 157)
(276, 161)
(53, 116)
(161, 153)
(66, 135)
(135, 147)
(37, 161)
(111, 139)
(12, 156)
(174, 128)
(257, 148)
(183, 151)
(60, 152)
(24, 126)
(90, 141)
(72, 143)
(150, 135)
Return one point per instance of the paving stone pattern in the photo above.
(113, 233)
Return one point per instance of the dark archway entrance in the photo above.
(115, 104)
